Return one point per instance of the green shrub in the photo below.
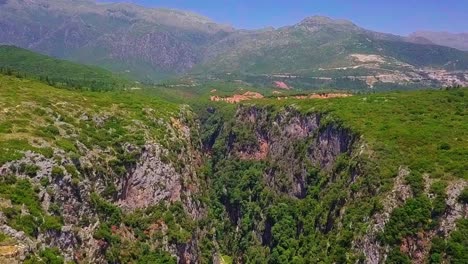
(444, 146)
(66, 145)
(397, 257)
(29, 169)
(463, 198)
(57, 172)
(46, 256)
(49, 131)
(438, 204)
(52, 223)
(416, 181)
(5, 128)
(106, 211)
(408, 220)
(457, 245)
(71, 169)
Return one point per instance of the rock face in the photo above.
(76, 190)
(369, 245)
(278, 139)
(151, 182)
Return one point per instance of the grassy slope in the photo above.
(425, 130)
(57, 72)
(33, 112)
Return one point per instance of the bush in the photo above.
(416, 181)
(439, 205)
(106, 211)
(457, 246)
(48, 255)
(413, 217)
(463, 198)
(445, 146)
(397, 257)
(57, 172)
(52, 223)
(29, 169)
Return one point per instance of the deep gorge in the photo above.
(255, 184)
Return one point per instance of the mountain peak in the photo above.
(324, 20)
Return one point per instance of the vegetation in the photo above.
(402, 126)
(24, 63)
(249, 219)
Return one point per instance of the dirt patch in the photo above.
(316, 96)
(282, 85)
(9, 251)
(261, 154)
(237, 98)
(367, 58)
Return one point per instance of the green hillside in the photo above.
(56, 72)
(400, 126)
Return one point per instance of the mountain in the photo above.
(321, 47)
(125, 38)
(155, 44)
(453, 40)
(57, 72)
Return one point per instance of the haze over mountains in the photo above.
(453, 40)
(154, 44)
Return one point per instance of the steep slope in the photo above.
(453, 40)
(142, 42)
(57, 72)
(96, 177)
(362, 179)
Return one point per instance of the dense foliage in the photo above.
(55, 72)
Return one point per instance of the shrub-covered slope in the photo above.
(95, 177)
(60, 73)
(375, 179)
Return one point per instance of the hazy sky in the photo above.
(393, 16)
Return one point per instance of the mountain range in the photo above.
(453, 40)
(156, 44)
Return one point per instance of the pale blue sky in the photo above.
(393, 16)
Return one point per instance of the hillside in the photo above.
(321, 51)
(66, 163)
(125, 177)
(17, 61)
(156, 44)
